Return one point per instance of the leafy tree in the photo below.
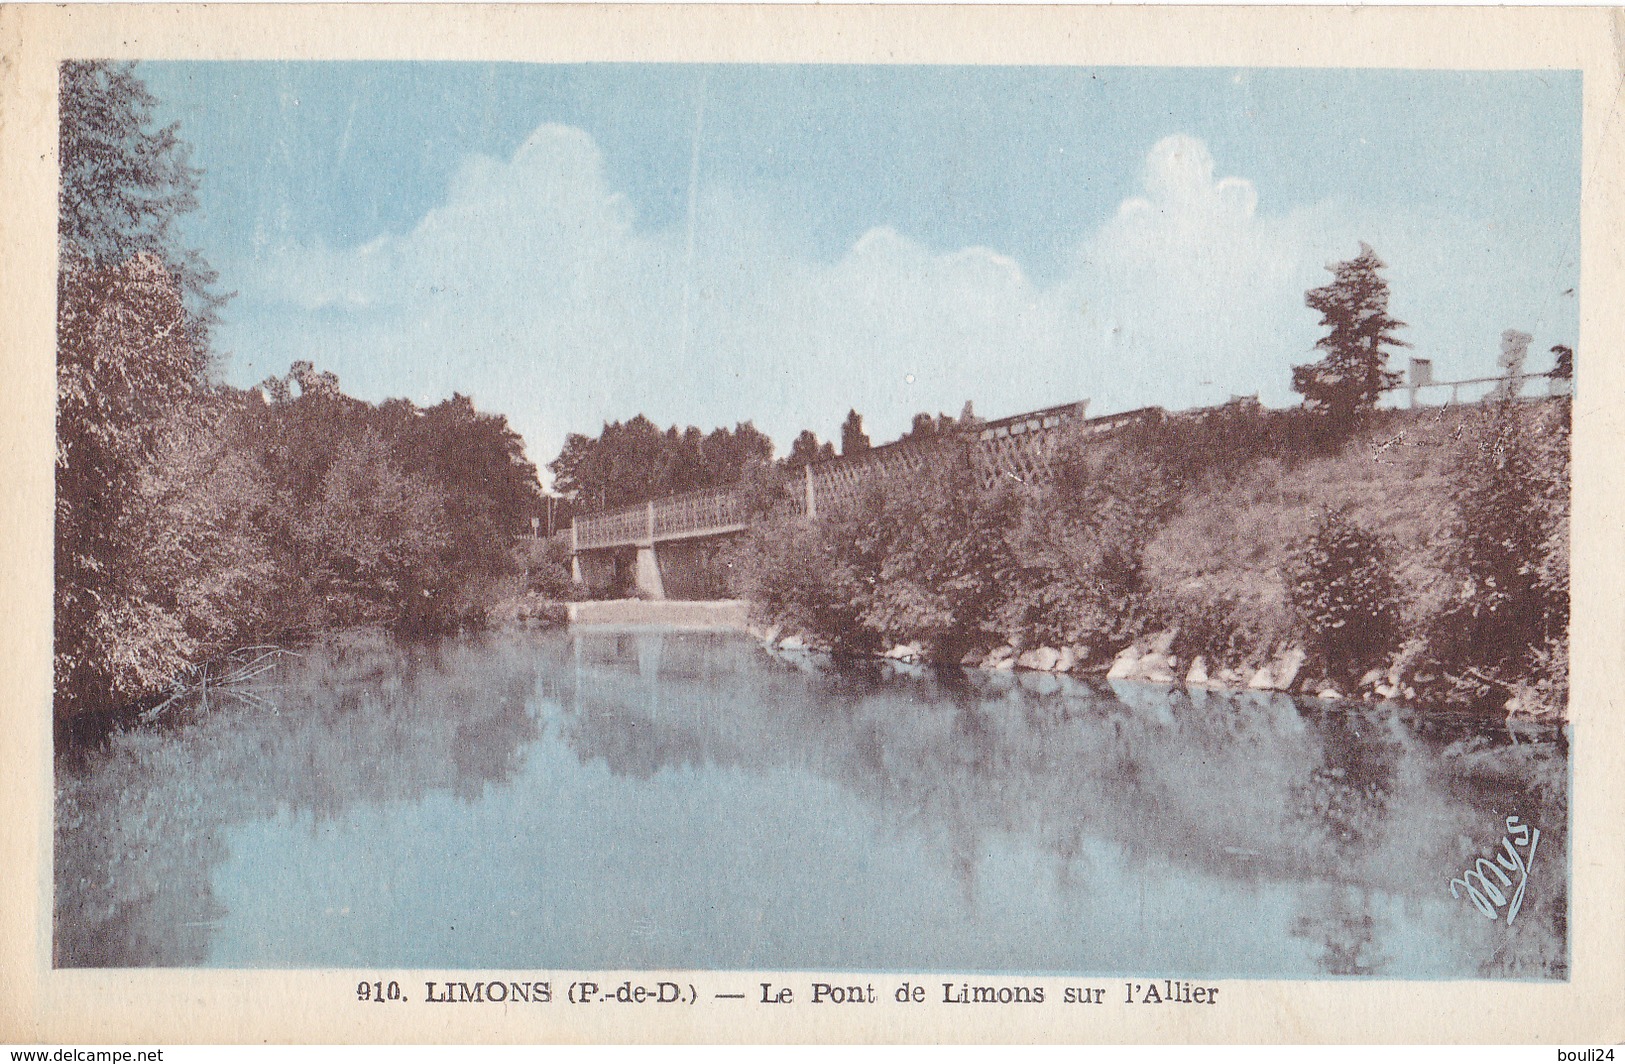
(1510, 546)
(818, 576)
(1080, 540)
(806, 450)
(133, 310)
(625, 463)
(372, 536)
(1354, 309)
(575, 472)
(125, 183)
(493, 488)
(923, 427)
(949, 566)
(729, 454)
(123, 362)
(685, 460)
(853, 439)
(486, 491)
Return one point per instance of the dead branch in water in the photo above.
(227, 675)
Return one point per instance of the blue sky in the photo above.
(571, 243)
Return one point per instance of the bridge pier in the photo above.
(576, 576)
(647, 573)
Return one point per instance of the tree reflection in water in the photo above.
(1356, 803)
(141, 821)
(1360, 814)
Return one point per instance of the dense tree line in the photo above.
(806, 450)
(634, 460)
(924, 426)
(193, 517)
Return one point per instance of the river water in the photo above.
(639, 799)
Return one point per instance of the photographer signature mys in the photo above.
(1487, 894)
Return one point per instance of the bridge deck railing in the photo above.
(611, 529)
(1021, 447)
(696, 513)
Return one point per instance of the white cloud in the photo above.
(534, 289)
(1189, 284)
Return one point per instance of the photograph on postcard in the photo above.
(1027, 521)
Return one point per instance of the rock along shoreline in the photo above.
(1149, 660)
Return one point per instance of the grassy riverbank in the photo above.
(1423, 557)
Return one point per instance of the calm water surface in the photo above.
(642, 799)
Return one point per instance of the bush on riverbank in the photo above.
(926, 563)
(1428, 549)
(1341, 589)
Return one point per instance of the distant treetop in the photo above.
(634, 460)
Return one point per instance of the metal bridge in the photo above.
(1021, 447)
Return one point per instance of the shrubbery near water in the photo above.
(1430, 542)
(1342, 592)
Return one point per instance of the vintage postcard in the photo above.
(850, 524)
